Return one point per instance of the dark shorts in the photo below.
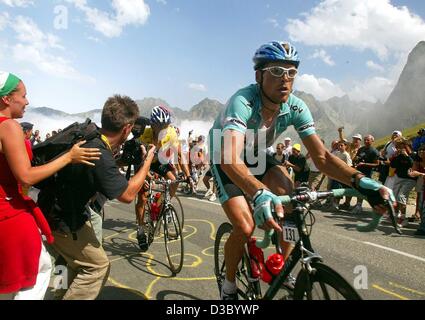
(226, 189)
(161, 169)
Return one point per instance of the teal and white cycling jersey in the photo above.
(243, 113)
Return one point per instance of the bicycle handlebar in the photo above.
(311, 196)
(168, 181)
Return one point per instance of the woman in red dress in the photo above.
(24, 263)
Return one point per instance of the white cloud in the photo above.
(126, 12)
(372, 89)
(162, 2)
(352, 22)
(273, 22)
(324, 56)
(4, 20)
(320, 88)
(37, 48)
(17, 3)
(94, 39)
(374, 66)
(197, 87)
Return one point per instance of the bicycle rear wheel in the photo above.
(248, 290)
(323, 284)
(173, 238)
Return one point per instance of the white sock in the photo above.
(229, 287)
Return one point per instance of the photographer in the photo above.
(73, 206)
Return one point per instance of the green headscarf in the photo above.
(8, 83)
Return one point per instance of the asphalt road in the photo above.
(391, 267)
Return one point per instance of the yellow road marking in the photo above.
(204, 252)
(120, 285)
(190, 234)
(194, 264)
(212, 234)
(150, 286)
(407, 289)
(390, 292)
(116, 234)
(198, 260)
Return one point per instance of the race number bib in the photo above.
(290, 233)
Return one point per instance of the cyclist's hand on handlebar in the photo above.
(263, 200)
(376, 193)
(386, 194)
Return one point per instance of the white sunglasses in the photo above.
(279, 72)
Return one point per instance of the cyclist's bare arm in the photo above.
(233, 165)
(326, 162)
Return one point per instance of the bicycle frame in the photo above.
(167, 197)
(303, 251)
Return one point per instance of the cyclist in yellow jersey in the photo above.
(165, 138)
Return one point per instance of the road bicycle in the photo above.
(315, 280)
(169, 219)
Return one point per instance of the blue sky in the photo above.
(73, 54)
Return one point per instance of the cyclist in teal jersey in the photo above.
(251, 122)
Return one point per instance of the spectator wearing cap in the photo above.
(386, 175)
(298, 163)
(355, 144)
(287, 147)
(366, 159)
(419, 140)
(402, 162)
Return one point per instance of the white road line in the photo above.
(379, 246)
(396, 251)
(203, 201)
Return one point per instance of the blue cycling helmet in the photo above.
(276, 51)
(160, 115)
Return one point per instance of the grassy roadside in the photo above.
(408, 133)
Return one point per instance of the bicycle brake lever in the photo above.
(391, 213)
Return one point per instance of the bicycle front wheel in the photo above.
(323, 283)
(173, 238)
(247, 288)
(177, 204)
